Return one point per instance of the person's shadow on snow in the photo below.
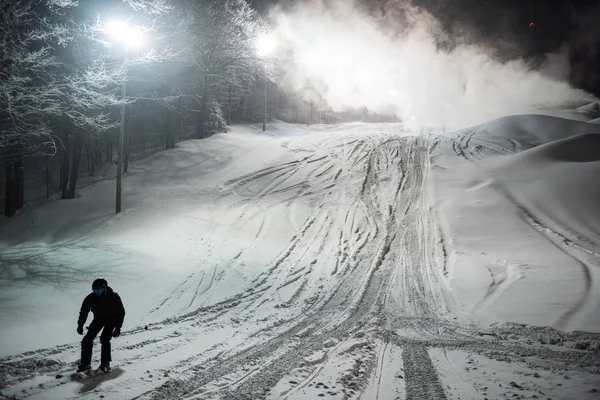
(92, 382)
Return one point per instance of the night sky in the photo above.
(517, 29)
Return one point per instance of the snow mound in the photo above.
(522, 220)
(580, 148)
(530, 130)
(585, 113)
(591, 109)
(556, 186)
(559, 181)
(277, 127)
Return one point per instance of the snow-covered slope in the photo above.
(560, 181)
(342, 261)
(512, 134)
(523, 219)
(557, 188)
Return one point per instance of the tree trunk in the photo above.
(170, 142)
(65, 159)
(127, 150)
(10, 203)
(200, 128)
(244, 108)
(272, 100)
(127, 154)
(229, 104)
(98, 158)
(64, 172)
(108, 151)
(19, 182)
(77, 149)
(91, 159)
(61, 133)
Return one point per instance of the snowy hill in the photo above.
(532, 190)
(559, 180)
(512, 134)
(343, 261)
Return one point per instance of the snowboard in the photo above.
(96, 375)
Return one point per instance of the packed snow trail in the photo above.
(388, 197)
(353, 305)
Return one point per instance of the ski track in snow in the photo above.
(329, 320)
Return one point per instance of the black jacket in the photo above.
(106, 307)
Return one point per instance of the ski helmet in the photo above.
(99, 283)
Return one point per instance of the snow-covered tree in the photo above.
(60, 82)
(214, 121)
(217, 42)
(61, 78)
(29, 94)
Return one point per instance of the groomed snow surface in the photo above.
(366, 261)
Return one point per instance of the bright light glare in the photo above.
(129, 36)
(354, 60)
(266, 44)
(361, 76)
(311, 59)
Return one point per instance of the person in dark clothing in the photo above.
(109, 314)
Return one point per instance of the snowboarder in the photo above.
(109, 314)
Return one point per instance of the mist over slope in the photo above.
(401, 61)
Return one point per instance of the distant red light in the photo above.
(531, 24)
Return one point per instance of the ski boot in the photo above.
(84, 368)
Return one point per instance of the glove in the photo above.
(116, 332)
(80, 330)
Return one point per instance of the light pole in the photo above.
(266, 98)
(121, 139)
(128, 37)
(266, 45)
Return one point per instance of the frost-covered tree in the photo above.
(40, 85)
(29, 90)
(217, 42)
(214, 121)
(60, 82)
